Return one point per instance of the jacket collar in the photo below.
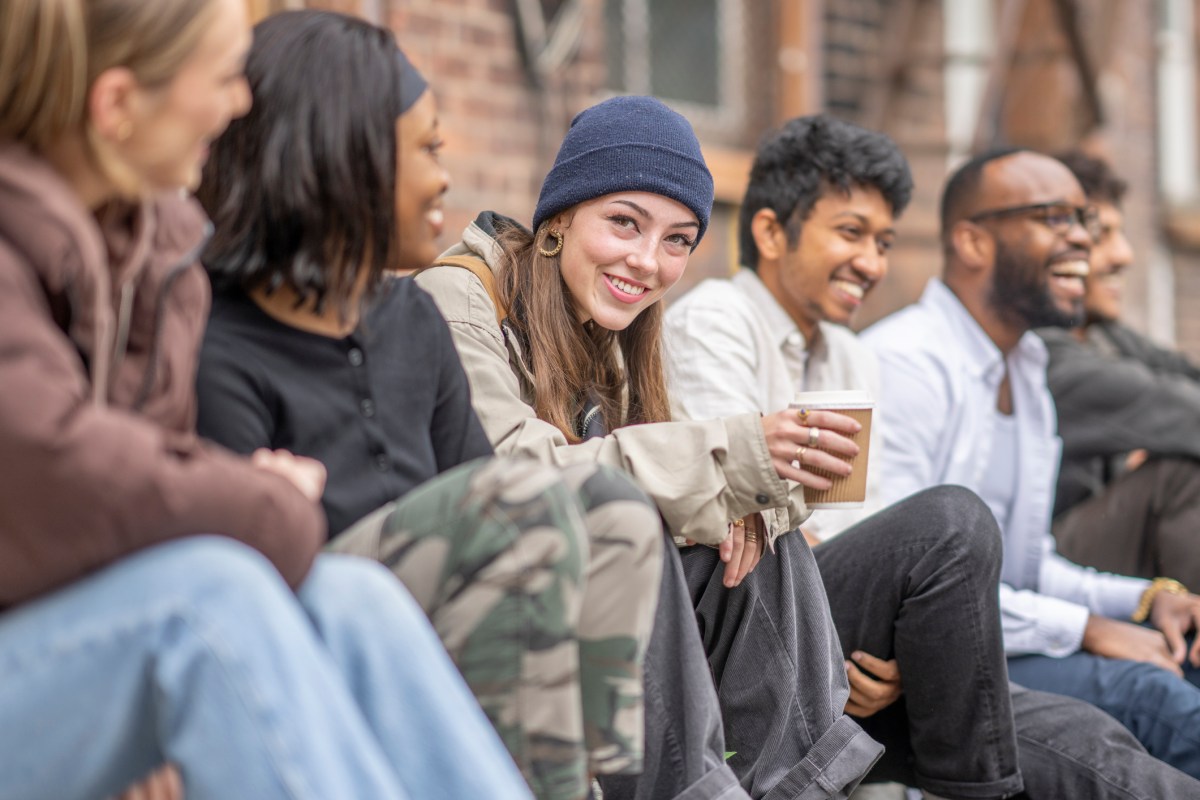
(479, 239)
(42, 217)
(71, 249)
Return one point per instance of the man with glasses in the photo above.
(964, 382)
(1128, 497)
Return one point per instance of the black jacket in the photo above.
(1118, 392)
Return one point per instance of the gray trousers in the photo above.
(685, 742)
(777, 662)
(815, 753)
(1146, 524)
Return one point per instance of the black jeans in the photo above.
(918, 582)
(1071, 750)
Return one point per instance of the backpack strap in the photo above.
(479, 268)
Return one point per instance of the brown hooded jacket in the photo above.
(100, 327)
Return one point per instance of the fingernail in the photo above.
(856, 655)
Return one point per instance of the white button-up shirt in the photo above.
(731, 348)
(941, 376)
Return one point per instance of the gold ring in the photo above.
(800, 451)
(739, 523)
(814, 435)
(751, 536)
(802, 415)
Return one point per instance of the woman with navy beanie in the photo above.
(314, 345)
(559, 331)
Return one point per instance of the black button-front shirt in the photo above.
(384, 409)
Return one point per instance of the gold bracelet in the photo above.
(1157, 586)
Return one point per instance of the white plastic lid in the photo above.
(847, 398)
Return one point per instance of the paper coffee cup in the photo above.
(849, 491)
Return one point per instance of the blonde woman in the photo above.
(127, 638)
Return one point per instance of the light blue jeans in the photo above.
(196, 653)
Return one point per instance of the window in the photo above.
(688, 52)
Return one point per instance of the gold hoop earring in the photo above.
(557, 234)
(124, 130)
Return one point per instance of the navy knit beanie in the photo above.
(412, 83)
(628, 144)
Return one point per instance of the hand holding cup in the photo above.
(821, 441)
(845, 488)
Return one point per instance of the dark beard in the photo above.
(1021, 295)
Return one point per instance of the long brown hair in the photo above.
(570, 361)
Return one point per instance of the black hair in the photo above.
(1096, 176)
(806, 158)
(959, 193)
(301, 190)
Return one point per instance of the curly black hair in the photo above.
(807, 157)
(1096, 176)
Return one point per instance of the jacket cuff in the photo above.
(748, 471)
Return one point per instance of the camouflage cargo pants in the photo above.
(542, 584)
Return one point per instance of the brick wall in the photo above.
(1041, 106)
(911, 113)
(502, 131)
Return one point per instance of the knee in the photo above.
(218, 579)
(347, 591)
(214, 562)
(540, 512)
(601, 484)
(1182, 475)
(1153, 693)
(615, 507)
(962, 521)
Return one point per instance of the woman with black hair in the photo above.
(541, 583)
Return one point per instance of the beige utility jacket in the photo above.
(702, 474)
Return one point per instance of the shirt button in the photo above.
(381, 463)
(356, 357)
(761, 498)
(367, 407)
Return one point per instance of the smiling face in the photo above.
(421, 182)
(1039, 266)
(841, 254)
(622, 252)
(1111, 256)
(172, 125)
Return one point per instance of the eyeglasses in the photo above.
(1058, 217)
